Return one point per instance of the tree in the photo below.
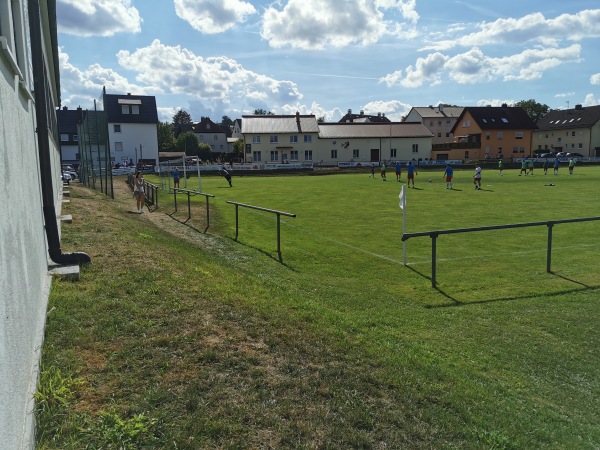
(166, 139)
(188, 142)
(534, 109)
(226, 122)
(181, 120)
(238, 149)
(262, 112)
(204, 152)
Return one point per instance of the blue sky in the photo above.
(229, 57)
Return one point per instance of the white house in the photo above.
(211, 134)
(132, 128)
(68, 134)
(437, 119)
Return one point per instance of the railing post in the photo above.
(207, 213)
(189, 206)
(433, 258)
(175, 198)
(236, 221)
(278, 236)
(549, 254)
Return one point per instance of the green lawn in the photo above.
(204, 342)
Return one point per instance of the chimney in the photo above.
(129, 93)
(349, 111)
(441, 108)
(362, 113)
(578, 107)
(65, 108)
(504, 105)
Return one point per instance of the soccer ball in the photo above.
(429, 180)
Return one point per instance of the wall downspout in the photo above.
(41, 107)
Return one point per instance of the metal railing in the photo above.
(190, 194)
(434, 235)
(150, 191)
(278, 213)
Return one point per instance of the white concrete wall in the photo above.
(133, 135)
(24, 280)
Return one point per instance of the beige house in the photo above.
(569, 130)
(438, 119)
(301, 139)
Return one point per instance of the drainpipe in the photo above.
(41, 105)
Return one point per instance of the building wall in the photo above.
(132, 136)
(344, 149)
(565, 140)
(217, 141)
(24, 279)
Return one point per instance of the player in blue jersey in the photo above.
(448, 175)
(411, 171)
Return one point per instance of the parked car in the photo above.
(574, 155)
(66, 177)
(562, 154)
(548, 155)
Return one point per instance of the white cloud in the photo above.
(595, 79)
(213, 83)
(426, 69)
(321, 24)
(81, 87)
(530, 28)
(210, 16)
(494, 102)
(565, 94)
(393, 109)
(97, 17)
(591, 100)
(474, 66)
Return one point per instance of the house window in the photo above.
(559, 139)
(64, 137)
(118, 146)
(212, 148)
(274, 155)
(215, 137)
(294, 155)
(439, 134)
(447, 135)
(293, 138)
(135, 109)
(307, 138)
(580, 146)
(308, 155)
(439, 123)
(500, 135)
(355, 153)
(75, 138)
(256, 157)
(519, 135)
(415, 148)
(256, 139)
(572, 145)
(124, 109)
(447, 123)
(274, 139)
(248, 148)
(117, 128)
(466, 155)
(469, 123)
(221, 147)
(11, 18)
(572, 133)
(393, 153)
(333, 154)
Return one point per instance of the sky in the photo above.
(215, 58)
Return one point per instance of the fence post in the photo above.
(189, 206)
(549, 254)
(433, 258)
(175, 198)
(278, 236)
(236, 221)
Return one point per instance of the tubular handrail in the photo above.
(191, 193)
(434, 235)
(260, 208)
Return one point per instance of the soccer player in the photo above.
(500, 167)
(546, 166)
(398, 170)
(411, 171)
(372, 171)
(523, 167)
(226, 175)
(477, 178)
(530, 167)
(556, 164)
(448, 175)
(383, 169)
(176, 178)
(571, 165)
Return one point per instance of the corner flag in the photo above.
(402, 197)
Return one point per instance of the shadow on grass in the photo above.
(185, 222)
(456, 302)
(278, 258)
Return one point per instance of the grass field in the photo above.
(179, 339)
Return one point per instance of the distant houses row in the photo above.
(427, 133)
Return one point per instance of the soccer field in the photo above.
(352, 220)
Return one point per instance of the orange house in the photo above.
(488, 133)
